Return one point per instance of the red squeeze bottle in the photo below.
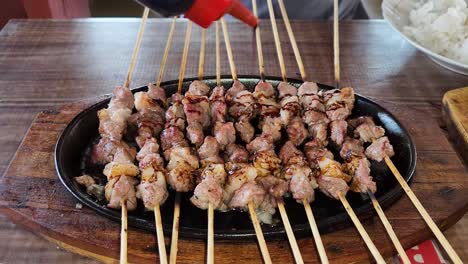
(202, 12)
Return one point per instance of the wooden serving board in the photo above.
(33, 197)
(455, 114)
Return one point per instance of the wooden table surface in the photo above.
(46, 63)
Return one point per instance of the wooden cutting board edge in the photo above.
(455, 116)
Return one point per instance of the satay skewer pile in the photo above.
(256, 183)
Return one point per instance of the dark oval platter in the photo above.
(72, 159)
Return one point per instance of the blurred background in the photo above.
(63, 9)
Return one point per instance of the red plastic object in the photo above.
(204, 12)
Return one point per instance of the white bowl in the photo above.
(396, 12)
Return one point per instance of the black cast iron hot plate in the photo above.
(72, 159)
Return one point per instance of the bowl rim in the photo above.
(387, 8)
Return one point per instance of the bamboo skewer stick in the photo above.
(315, 233)
(123, 233)
(184, 56)
(422, 211)
(293, 41)
(229, 50)
(201, 62)
(166, 53)
(131, 68)
(218, 57)
(277, 40)
(336, 43)
(136, 49)
(176, 218)
(375, 253)
(175, 230)
(253, 214)
(290, 234)
(160, 235)
(259, 233)
(258, 39)
(282, 210)
(210, 252)
(389, 228)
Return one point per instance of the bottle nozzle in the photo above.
(204, 12)
(239, 11)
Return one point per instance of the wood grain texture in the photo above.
(45, 63)
(455, 113)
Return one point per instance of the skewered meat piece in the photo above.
(150, 118)
(338, 130)
(149, 124)
(355, 122)
(315, 150)
(296, 131)
(357, 166)
(208, 152)
(270, 118)
(182, 166)
(218, 105)
(275, 186)
(379, 149)
(122, 164)
(238, 174)
(242, 105)
(263, 156)
(367, 131)
(290, 105)
(122, 99)
(314, 111)
(245, 130)
(152, 188)
(271, 126)
(248, 192)
(104, 151)
(158, 95)
(92, 188)
(232, 92)
(121, 188)
(237, 153)
(242, 108)
(225, 133)
(332, 186)
(265, 96)
(172, 137)
(198, 88)
(113, 120)
(210, 190)
(351, 148)
(197, 112)
(297, 170)
(113, 124)
(175, 116)
(332, 168)
(339, 103)
(362, 181)
(332, 179)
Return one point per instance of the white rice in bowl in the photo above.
(441, 26)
